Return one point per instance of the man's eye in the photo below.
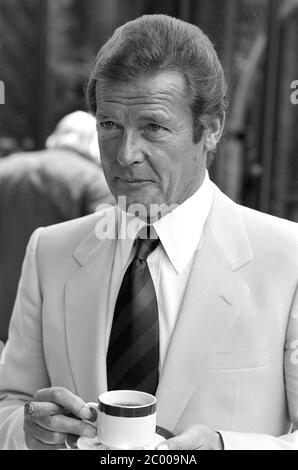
(155, 127)
(108, 125)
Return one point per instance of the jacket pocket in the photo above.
(245, 359)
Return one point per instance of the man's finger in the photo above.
(197, 437)
(190, 439)
(35, 444)
(66, 425)
(43, 435)
(39, 408)
(66, 399)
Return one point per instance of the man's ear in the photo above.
(213, 133)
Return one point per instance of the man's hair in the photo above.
(156, 43)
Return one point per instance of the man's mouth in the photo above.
(133, 180)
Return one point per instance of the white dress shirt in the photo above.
(180, 235)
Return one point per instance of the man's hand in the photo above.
(47, 421)
(195, 437)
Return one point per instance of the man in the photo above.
(62, 182)
(217, 313)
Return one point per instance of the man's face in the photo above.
(145, 131)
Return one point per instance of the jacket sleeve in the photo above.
(252, 441)
(22, 369)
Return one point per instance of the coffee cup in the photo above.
(126, 419)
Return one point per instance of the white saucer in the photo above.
(86, 443)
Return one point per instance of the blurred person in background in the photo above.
(41, 188)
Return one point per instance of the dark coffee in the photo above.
(127, 404)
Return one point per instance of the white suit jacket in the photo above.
(233, 359)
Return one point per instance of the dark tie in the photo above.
(133, 353)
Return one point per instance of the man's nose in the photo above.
(130, 150)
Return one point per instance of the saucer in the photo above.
(74, 442)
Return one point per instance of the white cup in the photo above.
(126, 419)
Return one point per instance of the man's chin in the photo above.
(147, 209)
(132, 205)
(132, 197)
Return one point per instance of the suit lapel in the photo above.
(86, 295)
(213, 299)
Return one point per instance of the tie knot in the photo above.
(145, 247)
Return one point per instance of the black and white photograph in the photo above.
(148, 227)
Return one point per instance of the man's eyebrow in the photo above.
(159, 115)
(100, 115)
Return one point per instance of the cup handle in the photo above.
(93, 406)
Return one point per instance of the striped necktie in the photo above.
(133, 352)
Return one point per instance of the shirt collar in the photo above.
(179, 231)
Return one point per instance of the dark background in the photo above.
(46, 52)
